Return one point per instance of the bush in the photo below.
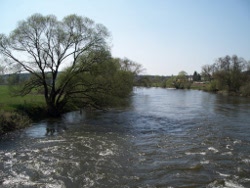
(245, 90)
(10, 121)
(212, 86)
(33, 111)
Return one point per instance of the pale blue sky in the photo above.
(165, 36)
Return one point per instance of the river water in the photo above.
(166, 138)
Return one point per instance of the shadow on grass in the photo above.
(34, 112)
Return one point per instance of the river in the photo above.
(165, 138)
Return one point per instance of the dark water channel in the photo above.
(167, 138)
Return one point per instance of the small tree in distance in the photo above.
(196, 77)
(181, 81)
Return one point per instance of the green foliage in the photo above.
(170, 82)
(181, 81)
(115, 90)
(105, 83)
(211, 86)
(228, 74)
(245, 89)
(143, 81)
(150, 81)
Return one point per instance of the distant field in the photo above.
(9, 103)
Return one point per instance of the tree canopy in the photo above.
(42, 45)
(228, 73)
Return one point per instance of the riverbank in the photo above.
(17, 112)
(209, 87)
(10, 121)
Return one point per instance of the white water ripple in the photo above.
(214, 150)
(106, 152)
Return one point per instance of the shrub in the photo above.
(10, 121)
(212, 86)
(245, 90)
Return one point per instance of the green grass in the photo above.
(12, 103)
(198, 86)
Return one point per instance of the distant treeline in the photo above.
(14, 78)
(180, 81)
(151, 81)
(228, 75)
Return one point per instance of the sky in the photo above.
(165, 36)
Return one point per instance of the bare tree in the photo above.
(131, 66)
(42, 44)
(207, 72)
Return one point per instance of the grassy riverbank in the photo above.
(10, 121)
(12, 103)
(18, 112)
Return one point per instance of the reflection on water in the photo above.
(167, 138)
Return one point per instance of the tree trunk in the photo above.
(53, 110)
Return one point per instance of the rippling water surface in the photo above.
(167, 138)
